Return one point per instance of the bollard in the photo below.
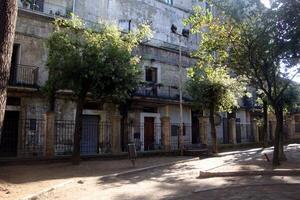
(132, 153)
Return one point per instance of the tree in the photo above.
(85, 61)
(214, 89)
(211, 85)
(8, 18)
(262, 47)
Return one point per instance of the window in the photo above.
(170, 2)
(125, 25)
(175, 130)
(32, 124)
(151, 74)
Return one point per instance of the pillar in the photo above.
(291, 127)
(49, 131)
(166, 130)
(232, 131)
(255, 131)
(116, 133)
(203, 122)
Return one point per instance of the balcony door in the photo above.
(151, 78)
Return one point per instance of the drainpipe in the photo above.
(129, 25)
(74, 6)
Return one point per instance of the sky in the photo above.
(266, 3)
(297, 78)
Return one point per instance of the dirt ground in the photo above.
(18, 181)
(178, 181)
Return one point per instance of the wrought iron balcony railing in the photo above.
(23, 76)
(47, 7)
(155, 90)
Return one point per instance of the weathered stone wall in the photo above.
(159, 14)
(33, 108)
(32, 30)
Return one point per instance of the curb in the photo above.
(39, 194)
(128, 172)
(294, 172)
(242, 186)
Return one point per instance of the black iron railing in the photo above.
(146, 136)
(24, 76)
(96, 138)
(23, 137)
(48, 8)
(155, 90)
(175, 135)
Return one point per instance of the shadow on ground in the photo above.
(180, 181)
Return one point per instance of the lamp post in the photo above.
(184, 33)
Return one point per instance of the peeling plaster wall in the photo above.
(31, 35)
(159, 14)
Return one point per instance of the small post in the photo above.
(132, 153)
(255, 131)
(49, 131)
(232, 131)
(116, 133)
(203, 130)
(165, 121)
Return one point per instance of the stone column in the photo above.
(49, 131)
(166, 130)
(255, 131)
(232, 131)
(292, 128)
(203, 122)
(116, 133)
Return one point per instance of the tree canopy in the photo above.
(99, 62)
(214, 88)
(96, 61)
(253, 41)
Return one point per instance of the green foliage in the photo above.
(258, 43)
(210, 84)
(213, 47)
(214, 88)
(291, 97)
(254, 42)
(99, 62)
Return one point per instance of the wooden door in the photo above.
(149, 133)
(9, 137)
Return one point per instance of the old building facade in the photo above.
(151, 117)
(155, 104)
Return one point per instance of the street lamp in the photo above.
(185, 33)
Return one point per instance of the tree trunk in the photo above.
(8, 17)
(78, 131)
(278, 144)
(265, 124)
(213, 131)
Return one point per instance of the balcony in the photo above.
(46, 7)
(156, 90)
(23, 76)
